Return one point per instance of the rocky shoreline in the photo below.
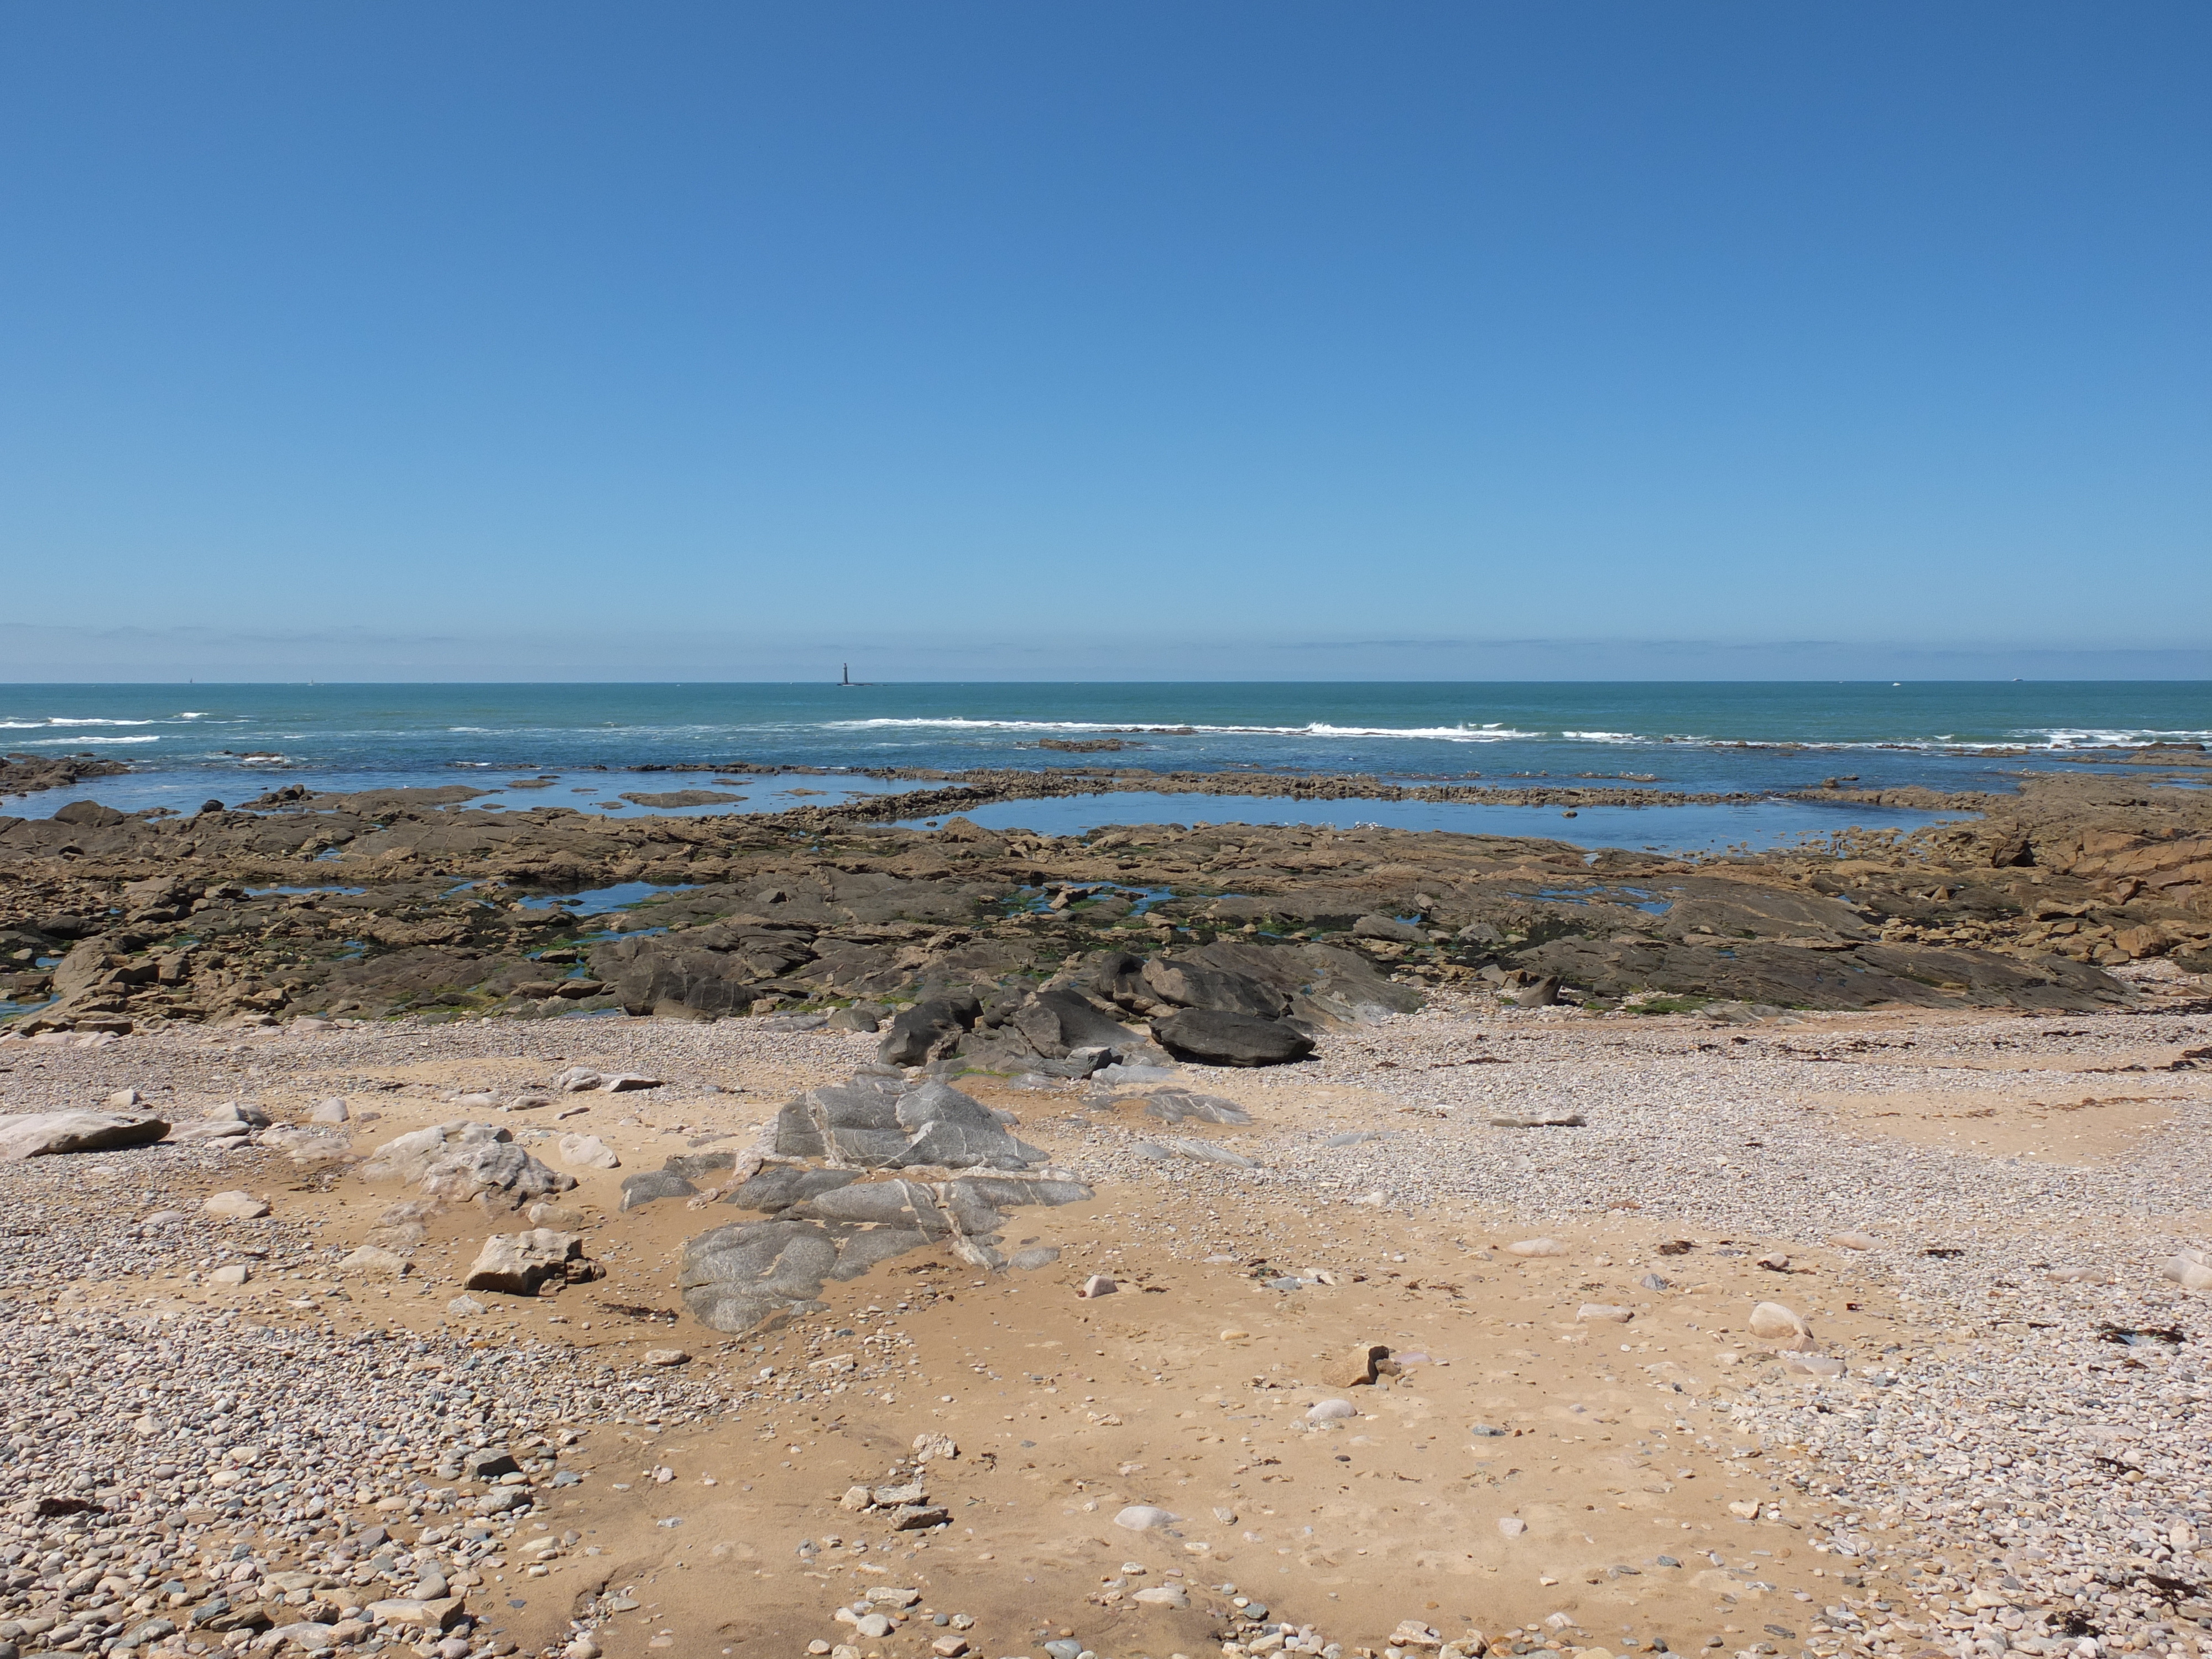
(27, 774)
(370, 905)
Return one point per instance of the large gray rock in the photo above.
(458, 1161)
(1056, 1022)
(740, 1277)
(877, 1122)
(1211, 1036)
(42, 1134)
(1189, 984)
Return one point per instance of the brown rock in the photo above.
(1355, 1368)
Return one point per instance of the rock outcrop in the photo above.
(825, 1181)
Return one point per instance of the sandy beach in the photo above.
(1978, 1423)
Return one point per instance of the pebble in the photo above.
(1144, 1518)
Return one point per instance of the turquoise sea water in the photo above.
(190, 743)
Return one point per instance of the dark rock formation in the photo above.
(1213, 1037)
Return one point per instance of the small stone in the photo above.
(1144, 1518)
(1774, 1321)
(329, 1111)
(1774, 1261)
(1487, 1431)
(1745, 1509)
(2191, 1270)
(466, 1307)
(587, 1153)
(371, 1261)
(1163, 1595)
(236, 1273)
(1852, 1240)
(1511, 1525)
(949, 1647)
(1357, 1368)
(666, 1357)
(1236, 1335)
(1331, 1411)
(873, 1626)
(1536, 1247)
(1098, 1284)
(235, 1206)
(1603, 1313)
(929, 1446)
(123, 1098)
(1654, 1282)
(1822, 1366)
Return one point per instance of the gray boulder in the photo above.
(458, 1161)
(928, 1030)
(741, 1277)
(1387, 928)
(877, 1122)
(1194, 985)
(45, 1133)
(1212, 1037)
(1056, 1022)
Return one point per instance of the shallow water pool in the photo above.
(1674, 830)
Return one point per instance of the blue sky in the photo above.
(1250, 338)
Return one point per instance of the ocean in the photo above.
(187, 743)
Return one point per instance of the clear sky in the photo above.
(1246, 336)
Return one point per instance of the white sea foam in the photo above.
(58, 743)
(2094, 737)
(1493, 733)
